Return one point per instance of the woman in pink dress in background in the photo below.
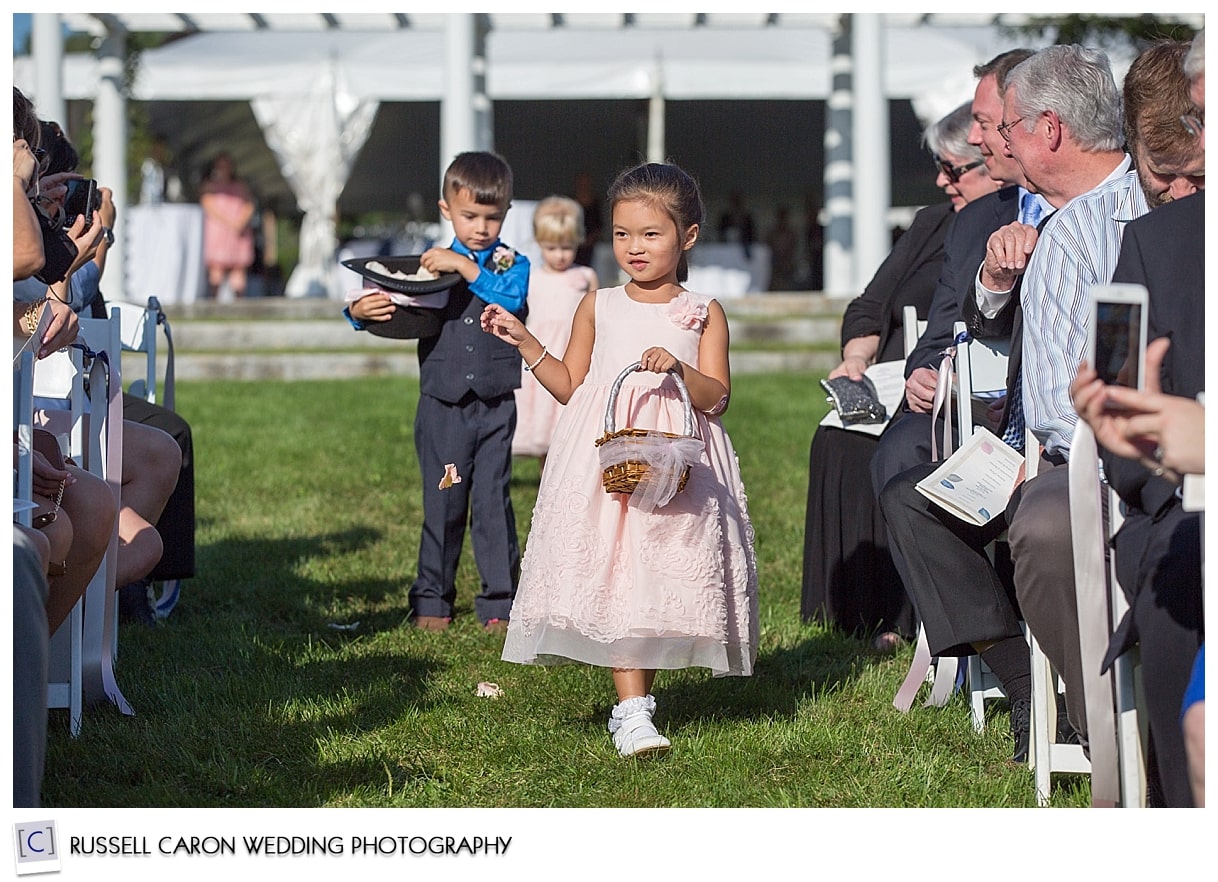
(228, 240)
(555, 288)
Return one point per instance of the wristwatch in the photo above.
(108, 235)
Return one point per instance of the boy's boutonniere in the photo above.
(502, 259)
(687, 311)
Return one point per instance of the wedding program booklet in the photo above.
(976, 481)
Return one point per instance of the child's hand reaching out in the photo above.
(498, 321)
(659, 360)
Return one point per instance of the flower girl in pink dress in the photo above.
(654, 579)
(555, 288)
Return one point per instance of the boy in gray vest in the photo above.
(467, 406)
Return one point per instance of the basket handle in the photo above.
(611, 405)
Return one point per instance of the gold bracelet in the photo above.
(32, 313)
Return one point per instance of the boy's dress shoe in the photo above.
(432, 623)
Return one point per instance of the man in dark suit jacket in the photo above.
(906, 441)
(1158, 547)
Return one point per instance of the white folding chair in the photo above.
(65, 678)
(980, 370)
(981, 374)
(102, 449)
(1115, 737)
(23, 425)
(139, 335)
(943, 672)
(981, 367)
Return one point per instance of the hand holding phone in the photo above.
(1116, 340)
(81, 198)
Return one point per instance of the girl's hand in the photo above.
(659, 360)
(498, 321)
(373, 307)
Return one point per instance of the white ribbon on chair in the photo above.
(945, 678)
(943, 401)
(1090, 580)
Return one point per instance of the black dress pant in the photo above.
(177, 522)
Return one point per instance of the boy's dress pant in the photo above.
(476, 436)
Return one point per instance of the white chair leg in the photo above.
(64, 675)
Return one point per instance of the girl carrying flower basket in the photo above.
(611, 578)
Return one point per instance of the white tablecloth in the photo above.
(164, 253)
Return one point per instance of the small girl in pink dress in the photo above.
(638, 582)
(555, 289)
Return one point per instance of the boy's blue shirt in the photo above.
(508, 288)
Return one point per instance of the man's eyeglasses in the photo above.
(1004, 128)
(1194, 125)
(956, 172)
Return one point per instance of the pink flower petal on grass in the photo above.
(450, 476)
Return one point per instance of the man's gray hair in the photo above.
(1076, 83)
(1194, 61)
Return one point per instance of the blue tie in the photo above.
(1014, 435)
(1030, 211)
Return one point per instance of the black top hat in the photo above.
(408, 322)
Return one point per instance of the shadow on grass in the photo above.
(783, 679)
(242, 698)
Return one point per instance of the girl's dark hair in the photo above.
(668, 187)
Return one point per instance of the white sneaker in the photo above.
(633, 732)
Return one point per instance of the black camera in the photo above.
(82, 198)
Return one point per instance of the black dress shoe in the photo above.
(135, 603)
(1021, 728)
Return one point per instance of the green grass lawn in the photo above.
(309, 514)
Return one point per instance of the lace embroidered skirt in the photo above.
(606, 584)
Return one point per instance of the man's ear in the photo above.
(444, 212)
(691, 236)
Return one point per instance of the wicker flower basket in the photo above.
(626, 475)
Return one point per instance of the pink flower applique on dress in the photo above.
(687, 311)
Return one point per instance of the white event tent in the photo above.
(315, 83)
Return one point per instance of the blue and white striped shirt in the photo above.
(1078, 249)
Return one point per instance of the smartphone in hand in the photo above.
(1116, 343)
